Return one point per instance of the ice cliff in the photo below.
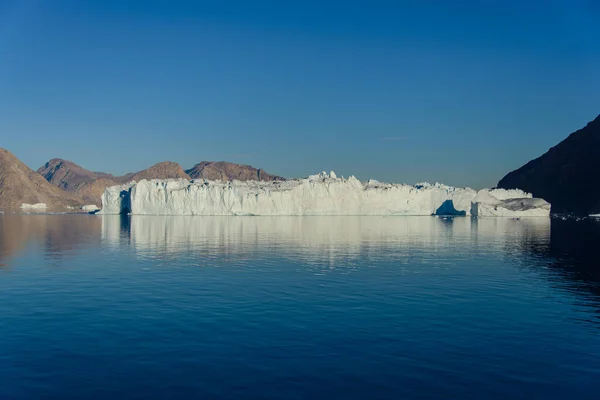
(495, 203)
(322, 194)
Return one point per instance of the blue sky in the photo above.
(458, 92)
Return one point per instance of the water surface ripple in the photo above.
(298, 308)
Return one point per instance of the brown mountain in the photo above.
(90, 185)
(73, 178)
(68, 175)
(92, 191)
(163, 170)
(226, 171)
(20, 184)
(566, 174)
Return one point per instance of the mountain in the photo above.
(68, 175)
(92, 190)
(566, 175)
(73, 178)
(163, 170)
(20, 184)
(226, 171)
(90, 185)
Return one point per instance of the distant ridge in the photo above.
(226, 171)
(162, 170)
(90, 185)
(566, 175)
(73, 178)
(68, 175)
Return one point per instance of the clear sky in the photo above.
(459, 92)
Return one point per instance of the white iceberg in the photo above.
(35, 206)
(501, 203)
(115, 199)
(90, 208)
(321, 194)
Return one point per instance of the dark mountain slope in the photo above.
(567, 175)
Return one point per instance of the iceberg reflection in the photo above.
(321, 239)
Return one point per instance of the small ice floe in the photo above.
(37, 206)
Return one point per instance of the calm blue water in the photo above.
(298, 308)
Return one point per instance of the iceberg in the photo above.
(508, 203)
(320, 194)
(36, 206)
(115, 199)
(90, 208)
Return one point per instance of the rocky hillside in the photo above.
(90, 185)
(20, 184)
(68, 175)
(566, 175)
(226, 171)
(73, 178)
(163, 170)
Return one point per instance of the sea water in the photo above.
(148, 307)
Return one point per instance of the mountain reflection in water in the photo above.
(569, 247)
(295, 307)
